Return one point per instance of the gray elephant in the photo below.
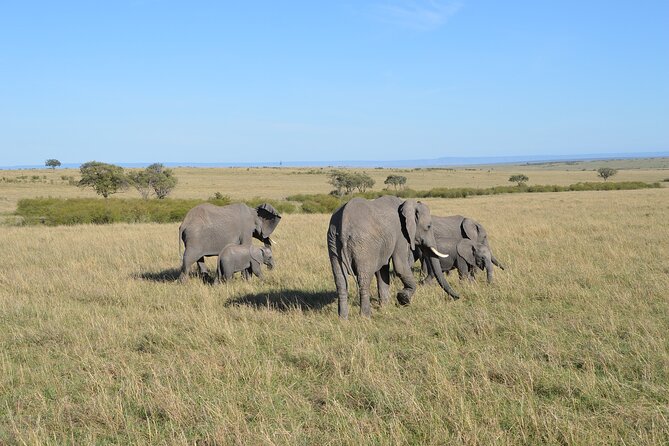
(464, 255)
(364, 235)
(207, 229)
(466, 242)
(244, 258)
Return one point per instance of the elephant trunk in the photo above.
(439, 274)
(488, 270)
(496, 263)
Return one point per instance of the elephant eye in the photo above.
(429, 226)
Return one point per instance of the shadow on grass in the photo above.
(171, 275)
(286, 300)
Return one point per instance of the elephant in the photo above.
(208, 228)
(247, 259)
(466, 241)
(364, 235)
(464, 255)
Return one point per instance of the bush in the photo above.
(321, 204)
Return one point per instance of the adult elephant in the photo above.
(208, 228)
(364, 235)
(466, 241)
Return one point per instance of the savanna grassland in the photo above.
(100, 345)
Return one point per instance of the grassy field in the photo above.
(99, 344)
(276, 183)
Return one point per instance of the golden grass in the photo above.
(277, 183)
(99, 344)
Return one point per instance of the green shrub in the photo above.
(321, 204)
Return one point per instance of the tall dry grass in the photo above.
(99, 344)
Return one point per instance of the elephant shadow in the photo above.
(286, 300)
(166, 275)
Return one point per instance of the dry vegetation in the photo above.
(99, 344)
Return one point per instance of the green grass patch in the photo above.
(73, 211)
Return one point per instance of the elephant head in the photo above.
(474, 231)
(263, 255)
(266, 220)
(417, 225)
(476, 255)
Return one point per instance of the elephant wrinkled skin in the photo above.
(466, 242)
(207, 229)
(247, 259)
(364, 235)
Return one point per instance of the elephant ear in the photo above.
(465, 248)
(269, 218)
(471, 229)
(408, 212)
(256, 254)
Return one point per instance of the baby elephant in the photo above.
(245, 258)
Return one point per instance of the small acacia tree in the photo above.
(520, 179)
(140, 181)
(396, 180)
(347, 182)
(606, 172)
(362, 182)
(154, 179)
(161, 179)
(105, 179)
(53, 163)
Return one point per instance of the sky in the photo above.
(134, 81)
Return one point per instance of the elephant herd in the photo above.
(363, 237)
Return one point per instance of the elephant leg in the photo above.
(342, 287)
(257, 270)
(383, 282)
(202, 267)
(403, 270)
(463, 268)
(189, 258)
(364, 281)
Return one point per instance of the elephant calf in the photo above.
(247, 259)
(466, 243)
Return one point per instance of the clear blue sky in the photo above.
(217, 81)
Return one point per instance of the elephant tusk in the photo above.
(272, 241)
(443, 256)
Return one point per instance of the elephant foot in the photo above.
(403, 298)
(183, 278)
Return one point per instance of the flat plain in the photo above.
(100, 345)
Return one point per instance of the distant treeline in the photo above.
(72, 211)
(324, 203)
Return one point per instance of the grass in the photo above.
(278, 183)
(99, 344)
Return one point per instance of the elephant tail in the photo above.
(181, 235)
(344, 257)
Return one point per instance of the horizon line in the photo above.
(426, 162)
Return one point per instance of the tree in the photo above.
(105, 179)
(606, 172)
(162, 180)
(520, 178)
(154, 179)
(341, 180)
(140, 181)
(396, 180)
(362, 182)
(348, 181)
(53, 163)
